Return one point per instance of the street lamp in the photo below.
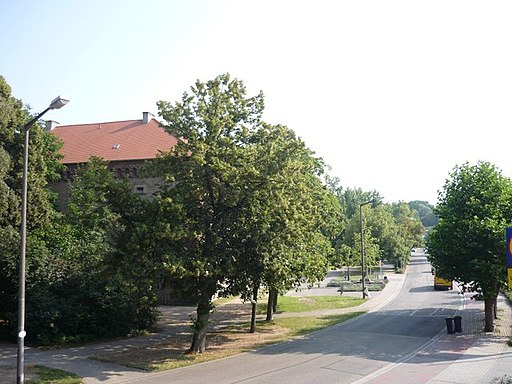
(363, 286)
(56, 103)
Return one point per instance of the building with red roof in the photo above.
(126, 145)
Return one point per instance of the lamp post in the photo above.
(57, 103)
(363, 285)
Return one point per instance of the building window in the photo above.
(139, 189)
(134, 172)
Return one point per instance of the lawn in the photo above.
(37, 374)
(311, 303)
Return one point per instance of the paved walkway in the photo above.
(468, 357)
(480, 356)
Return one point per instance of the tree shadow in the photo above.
(389, 337)
(426, 288)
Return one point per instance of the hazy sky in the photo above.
(392, 94)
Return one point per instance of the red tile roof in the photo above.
(118, 140)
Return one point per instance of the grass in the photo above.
(223, 343)
(299, 326)
(38, 374)
(45, 375)
(311, 303)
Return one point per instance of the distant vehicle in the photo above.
(441, 282)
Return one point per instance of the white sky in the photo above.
(392, 94)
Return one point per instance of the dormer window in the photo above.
(116, 146)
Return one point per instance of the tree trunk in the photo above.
(200, 325)
(489, 316)
(253, 309)
(495, 308)
(270, 313)
(274, 302)
(348, 273)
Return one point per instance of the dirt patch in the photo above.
(173, 353)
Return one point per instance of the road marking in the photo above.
(411, 355)
(400, 361)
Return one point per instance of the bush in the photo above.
(502, 380)
(82, 308)
(351, 286)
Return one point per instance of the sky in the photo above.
(391, 94)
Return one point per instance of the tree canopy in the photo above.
(243, 206)
(244, 199)
(468, 243)
(85, 277)
(425, 211)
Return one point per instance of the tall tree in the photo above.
(467, 245)
(408, 232)
(41, 216)
(207, 176)
(291, 216)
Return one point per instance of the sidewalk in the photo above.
(488, 356)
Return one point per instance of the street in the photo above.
(348, 353)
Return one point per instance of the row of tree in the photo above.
(244, 206)
(389, 230)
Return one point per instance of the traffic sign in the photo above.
(509, 247)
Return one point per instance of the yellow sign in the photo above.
(509, 277)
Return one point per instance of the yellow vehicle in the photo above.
(440, 282)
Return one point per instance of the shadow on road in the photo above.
(385, 336)
(425, 288)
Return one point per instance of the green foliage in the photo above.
(290, 215)
(85, 278)
(390, 230)
(425, 212)
(506, 379)
(406, 233)
(208, 174)
(355, 284)
(468, 243)
(41, 216)
(112, 268)
(244, 199)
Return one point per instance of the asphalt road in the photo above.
(352, 352)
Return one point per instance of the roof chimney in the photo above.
(51, 124)
(146, 117)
